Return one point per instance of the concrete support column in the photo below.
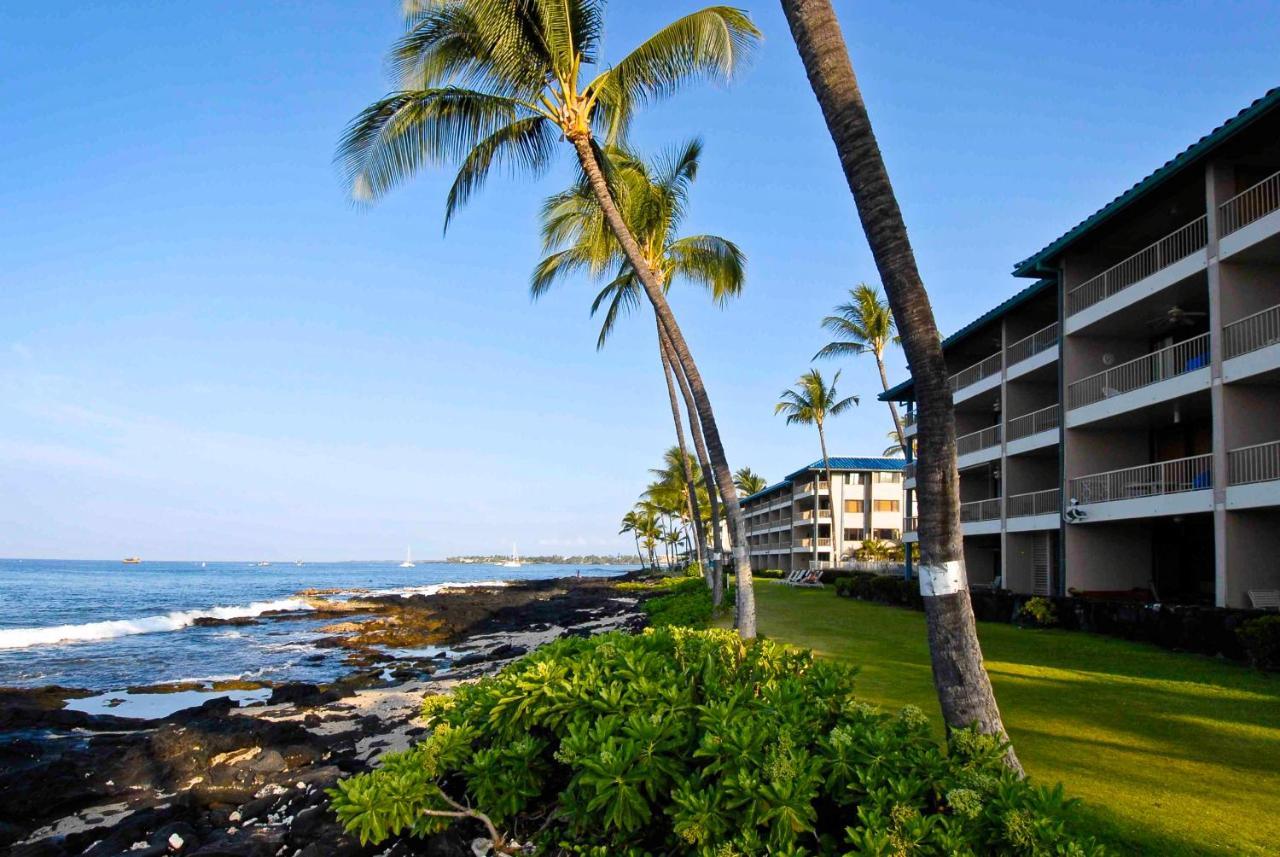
(1217, 189)
(1004, 452)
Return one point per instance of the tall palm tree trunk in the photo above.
(964, 688)
(691, 491)
(831, 500)
(746, 604)
(639, 552)
(699, 445)
(893, 409)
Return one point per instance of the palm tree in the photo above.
(964, 688)
(653, 198)
(631, 524)
(487, 82)
(648, 529)
(677, 480)
(749, 482)
(811, 402)
(863, 324)
(897, 445)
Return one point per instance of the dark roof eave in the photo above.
(1039, 263)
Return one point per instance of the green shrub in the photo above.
(695, 742)
(1261, 641)
(688, 605)
(1037, 613)
(769, 574)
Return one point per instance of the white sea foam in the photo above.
(433, 588)
(25, 638)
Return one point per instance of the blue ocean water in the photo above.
(105, 625)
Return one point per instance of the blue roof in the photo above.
(1033, 266)
(837, 463)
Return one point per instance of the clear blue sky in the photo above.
(206, 353)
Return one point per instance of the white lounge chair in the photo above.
(1265, 599)
(807, 577)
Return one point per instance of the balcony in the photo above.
(1253, 476)
(1176, 487)
(1179, 359)
(806, 490)
(1029, 346)
(980, 517)
(1029, 427)
(977, 447)
(988, 368)
(908, 471)
(910, 529)
(1241, 218)
(909, 427)
(823, 514)
(1256, 336)
(1178, 245)
(1035, 510)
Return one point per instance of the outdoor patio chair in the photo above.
(1265, 599)
(812, 577)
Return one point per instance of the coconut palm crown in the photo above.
(487, 83)
(653, 198)
(864, 324)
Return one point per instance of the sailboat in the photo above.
(514, 562)
(408, 558)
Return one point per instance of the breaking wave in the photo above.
(25, 638)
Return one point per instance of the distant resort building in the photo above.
(1118, 421)
(790, 525)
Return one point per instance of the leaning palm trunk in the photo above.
(746, 607)
(691, 490)
(831, 502)
(964, 688)
(699, 445)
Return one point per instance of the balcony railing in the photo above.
(908, 419)
(911, 523)
(1147, 480)
(1257, 463)
(802, 543)
(824, 542)
(980, 510)
(974, 441)
(1172, 248)
(1251, 333)
(1029, 346)
(908, 471)
(1177, 359)
(1048, 502)
(975, 373)
(1035, 422)
(1253, 204)
(808, 516)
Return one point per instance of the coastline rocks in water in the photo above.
(213, 622)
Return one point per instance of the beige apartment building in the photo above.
(1118, 421)
(790, 525)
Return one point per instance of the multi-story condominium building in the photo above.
(790, 526)
(1118, 421)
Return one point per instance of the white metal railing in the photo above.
(975, 373)
(1251, 333)
(1173, 247)
(980, 510)
(1169, 362)
(1048, 502)
(909, 418)
(974, 441)
(1034, 422)
(1146, 480)
(1257, 463)
(824, 541)
(1029, 346)
(911, 523)
(1250, 205)
(908, 471)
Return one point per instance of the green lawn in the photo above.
(1173, 754)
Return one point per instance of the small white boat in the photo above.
(263, 564)
(131, 560)
(514, 562)
(408, 558)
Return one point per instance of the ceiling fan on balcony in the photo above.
(1176, 316)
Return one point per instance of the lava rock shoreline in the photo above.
(221, 780)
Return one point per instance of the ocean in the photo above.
(107, 626)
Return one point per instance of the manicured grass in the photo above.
(1173, 754)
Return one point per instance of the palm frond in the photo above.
(556, 266)
(712, 262)
(526, 145)
(396, 135)
(623, 295)
(839, 349)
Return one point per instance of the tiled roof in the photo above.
(1031, 266)
(837, 463)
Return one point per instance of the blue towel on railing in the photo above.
(1197, 362)
(1201, 480)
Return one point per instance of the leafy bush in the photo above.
(769, 574)
(1038, 613)
(694, 742)
(688, 605)
(1261, 640)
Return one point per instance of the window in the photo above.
(853, 506)
(855, 479)
(886, 506)
(853, 534)
(887, 476)
(887, 535)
